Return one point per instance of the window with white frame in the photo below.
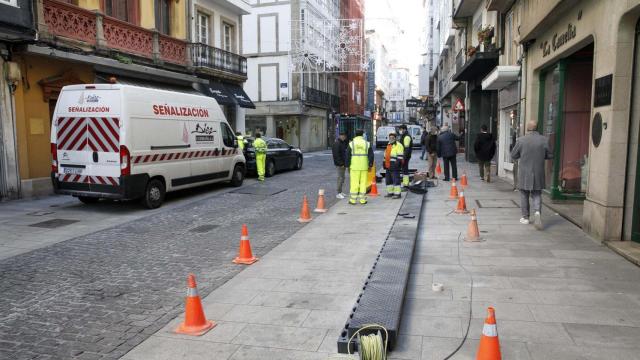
(228, 37)
(9, 2)
(203, 24)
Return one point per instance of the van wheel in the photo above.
(88, 199)
(154, 194)
(271, 168)
(298, 164)
(238, 176)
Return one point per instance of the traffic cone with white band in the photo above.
(489, 348)
(473, 234)
(320, 208)
(462, 204)
(195, 323)
(245, 256)
(453, 194)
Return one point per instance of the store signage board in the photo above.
(602, 92)
(415, 103)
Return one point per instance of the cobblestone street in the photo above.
(100, 294)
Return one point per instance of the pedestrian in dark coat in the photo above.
(339, 150)
(531, 151)
(448, 149)
(432, 149)
(485, 148)
(423, 142)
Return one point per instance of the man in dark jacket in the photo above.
(448, 149)
(339, 150)
(432, 149)
(485, 148)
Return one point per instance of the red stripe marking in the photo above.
(87, 180)
(96, 140)
(80, 140)
(170, 156)
(146, 158)
(114, 147)
(100, 179)
(185, 154)
(154, 157)
(137, 159)
(63, 142)
(190, 155)
(65, 125)
(75, 177)
(112, 180)
(162, 157)
(112, 130)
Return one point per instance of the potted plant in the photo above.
(485, 35)
(471, 50)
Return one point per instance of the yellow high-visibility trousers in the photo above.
(358, 188)
(261, 160)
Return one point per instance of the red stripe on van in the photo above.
(63, 142)
(112, 180)
(112, 147)
(170, 156)
(146, 158)
(162, 157)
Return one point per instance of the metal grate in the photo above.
(497, 204)
(54, 223)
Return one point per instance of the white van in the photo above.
(127, 142)
(382, 135)
(416, 132)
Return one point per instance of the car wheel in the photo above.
(238, 176)
(88, 199)
(298, 164)
(154, 194)
(271, 168)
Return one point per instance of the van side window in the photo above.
(227, 135)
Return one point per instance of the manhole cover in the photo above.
(203, 228)
(259, 189)
(40, 213)
(497, 204)
(54, 223)
(342, 213)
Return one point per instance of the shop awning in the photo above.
(218, 91)
(477, 66)
(500, 77)
(241, 97)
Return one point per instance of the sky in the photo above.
(401, 24)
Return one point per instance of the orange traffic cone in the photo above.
(245, 256)
(438, 169)
(304, 212)
(454, 190)
(473, 234)
(374, 189)
(489, 348)
(463, 180)
(462, 205)
(320, 208)
(195, 323)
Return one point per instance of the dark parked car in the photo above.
(280, 156)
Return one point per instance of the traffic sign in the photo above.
(459, 105)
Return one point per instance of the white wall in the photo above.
(257, 82)
(282, 15)
(216, 14)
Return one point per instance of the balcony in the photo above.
(466, 8)
(205, 57)
(93, 30)
(477, 65)
(317, 97)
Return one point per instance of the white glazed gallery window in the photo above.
(9, 2)
(203, 28)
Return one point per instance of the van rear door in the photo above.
(88, 137)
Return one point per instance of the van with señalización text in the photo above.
(128, 142)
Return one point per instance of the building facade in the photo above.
(298, 104)
(582, 87)
(17, 28)
(399, 93)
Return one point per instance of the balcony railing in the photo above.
(206, 56)
(320, 98)
(103, 32)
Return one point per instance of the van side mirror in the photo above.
(235, 143)
(290, 147)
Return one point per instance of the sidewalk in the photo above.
(558, 294)
(292, 303)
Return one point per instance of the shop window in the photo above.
(162, 9)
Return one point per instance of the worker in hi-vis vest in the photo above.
(359, 160)
(240, 140)
(393, 159)
(260, 147)
(407, 143)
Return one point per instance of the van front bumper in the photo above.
(131, 187)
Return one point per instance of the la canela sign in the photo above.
(558, 40)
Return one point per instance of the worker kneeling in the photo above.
(359, 160)
(393, 161)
